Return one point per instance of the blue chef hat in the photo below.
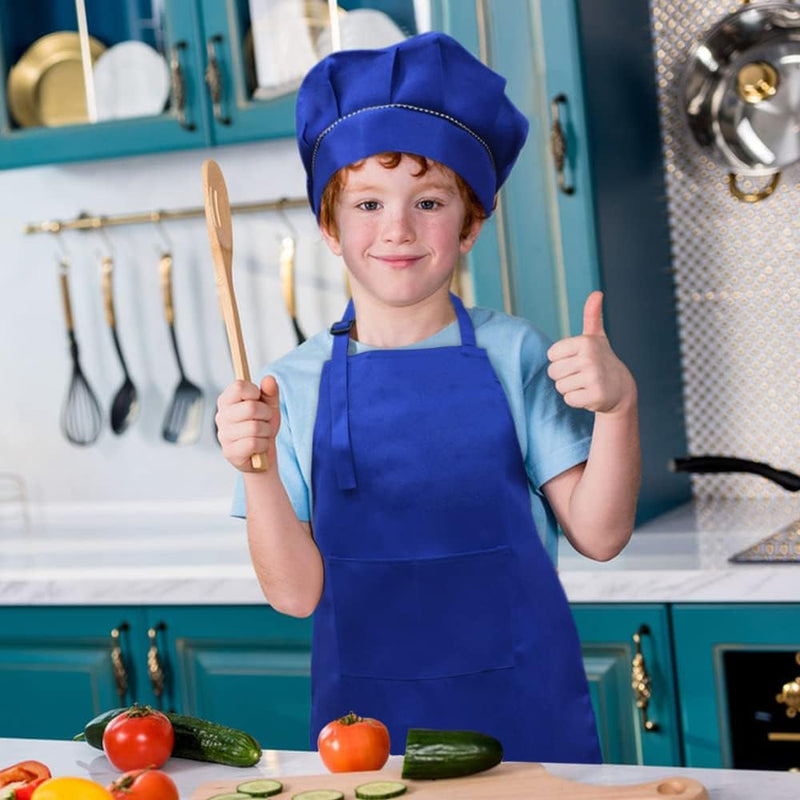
(426, 95)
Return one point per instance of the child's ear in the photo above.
(469, 240)
(332, 240)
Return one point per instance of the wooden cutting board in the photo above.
(508, 781)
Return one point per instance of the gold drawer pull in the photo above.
(155, 668)
(640, 680)
(118, 662)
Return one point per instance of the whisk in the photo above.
(81, 417)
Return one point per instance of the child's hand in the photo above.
(585, 369)
(247, 420)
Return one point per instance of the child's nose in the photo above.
(398, 226)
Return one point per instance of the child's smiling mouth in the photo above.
(398, 261)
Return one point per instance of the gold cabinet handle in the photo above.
(118, 662)
(178, 85)
(155, 668)
(640, 680)
(213, 78)
(558, 144)
(790, 694)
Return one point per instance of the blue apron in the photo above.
(440, 606)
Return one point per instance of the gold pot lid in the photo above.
(45, 87)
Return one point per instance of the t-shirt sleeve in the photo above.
(558, 435)
(290, 472)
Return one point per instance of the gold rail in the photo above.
(86, 222)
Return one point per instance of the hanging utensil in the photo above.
(220, 235)
(81, 417)
(185, 412)
(287, 284)
(125, 405)
(714, 464)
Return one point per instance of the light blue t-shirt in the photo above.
(553, 437)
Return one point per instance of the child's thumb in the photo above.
(269, 390)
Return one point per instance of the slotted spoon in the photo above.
(185, 412)
(220, 236)
(81, 417)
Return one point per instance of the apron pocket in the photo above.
(423, 618)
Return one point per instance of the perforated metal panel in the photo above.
(737, 275)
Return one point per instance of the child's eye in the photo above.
(368, 205)
(429, 205)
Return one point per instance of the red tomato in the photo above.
(23, 772)
(144, 784)
(138, 738)
(353, 744)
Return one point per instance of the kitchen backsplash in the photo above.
(34, 357)
(736, 272)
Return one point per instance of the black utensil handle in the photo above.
(713, 464)
(118, 348)
(298, 331)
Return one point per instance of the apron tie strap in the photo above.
(340, 403)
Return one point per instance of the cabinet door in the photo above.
(253, 65)
(733, 663)
(248, 667)
(45, 117)
(57, 667)
(606, 633)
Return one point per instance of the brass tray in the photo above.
(45, 87)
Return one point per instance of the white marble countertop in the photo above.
(78, 759)
(194, 553)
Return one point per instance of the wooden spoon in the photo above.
(220, 235)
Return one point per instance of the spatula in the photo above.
(220, 235)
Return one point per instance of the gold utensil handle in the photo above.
(118, 669)
(640, 680)
(155, 669)
(107, 270)
(64, 280)
(287, 273)
(165, 272)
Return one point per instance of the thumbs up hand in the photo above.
(586, 371)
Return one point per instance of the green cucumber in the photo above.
(432, 754)
(261, 787)
(196, 739)
(319, 794)
(231, 796)
(380, 790)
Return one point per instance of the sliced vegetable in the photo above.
(380, 790)
(448, 754)
(23, 772)
(26, 792)
(138, 738)
(231, 796)
(353, 744)
(195, 738)
(262, 787)
(319, 794)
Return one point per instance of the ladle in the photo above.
(81, 417)
(185, 412)
(125, 405)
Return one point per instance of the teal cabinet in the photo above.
(600, 224)
(736, 666)
(244, 666)
(629, 734)
(57, 667)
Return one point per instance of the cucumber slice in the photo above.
(380, 790)
(231, 796)
(262, 787)
(319, 794)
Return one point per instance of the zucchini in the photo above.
(261, 787)
(319, 794)
(380, 790)
(195, 738)
(432, 754)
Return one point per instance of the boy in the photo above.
(402, 518)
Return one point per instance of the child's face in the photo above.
(399, 234)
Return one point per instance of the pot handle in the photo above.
(752, 197)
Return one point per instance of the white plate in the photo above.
(131, 79)
(362, 29)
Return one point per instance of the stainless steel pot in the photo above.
(741, 94)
